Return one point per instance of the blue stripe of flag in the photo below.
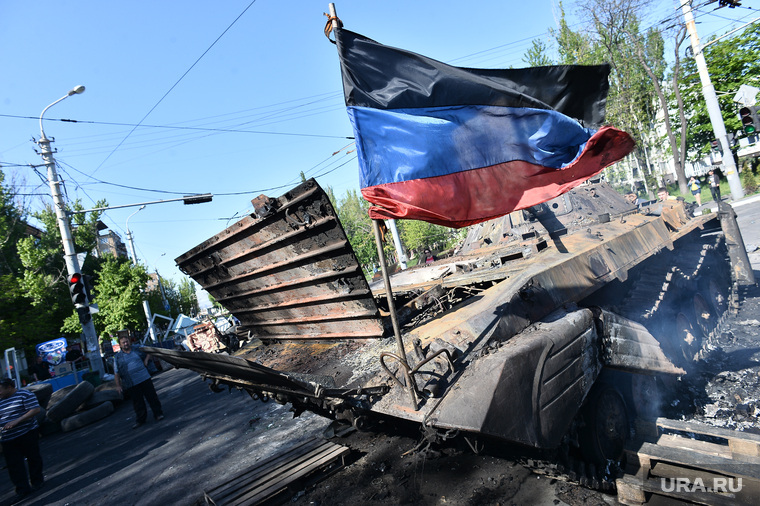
(406, 144)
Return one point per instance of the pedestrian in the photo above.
(40, 370)
(634, 199)
(20, 437)
(695, 190)
(131, 375)
(714, 178)
(663, 194)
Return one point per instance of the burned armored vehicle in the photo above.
(546, 323)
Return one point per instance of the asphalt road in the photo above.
(204, 440)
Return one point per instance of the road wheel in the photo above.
(606, 426)
(706, 317)
(688, 338)
(717, 295)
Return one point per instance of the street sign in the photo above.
(746, 95)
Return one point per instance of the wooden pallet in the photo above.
(272, 481)
(689, 463)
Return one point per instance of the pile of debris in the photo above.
(725, 389)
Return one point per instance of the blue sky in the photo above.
(234, 109)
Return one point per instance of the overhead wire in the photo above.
(175, 85)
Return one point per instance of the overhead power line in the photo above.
(177, 127)
(174, 85)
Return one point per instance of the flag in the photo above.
(456, 146)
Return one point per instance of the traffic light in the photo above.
(87, 286)
(715, 146)
(77, 290)
(84, 315)
(749, 119)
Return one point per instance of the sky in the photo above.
(234, 98)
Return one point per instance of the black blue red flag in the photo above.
(457, 146)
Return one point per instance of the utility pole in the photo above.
(713, 108)
(146, 306)
(70, 256)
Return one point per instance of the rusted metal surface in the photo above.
(740, 265)
(287, 271)
(520, 390)
(629, 346)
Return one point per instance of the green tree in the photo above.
(352, 212)
(118, 293)
(17, 320)
(536, 55)
(188, 300)
(418, 235)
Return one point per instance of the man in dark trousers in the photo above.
(40, 370)
(714, 178)
(131, 374)
(20, 437)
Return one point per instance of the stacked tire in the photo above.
(77, 406)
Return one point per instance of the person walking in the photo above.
(20, 437)
(714, 178)
(40, 370)
(131, 375)
(695, 190)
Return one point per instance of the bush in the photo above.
(748, 179)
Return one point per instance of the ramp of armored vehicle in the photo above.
(287, 271)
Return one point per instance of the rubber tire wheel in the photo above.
(108, 385)
(59, 394)
(606, 426)
(86, 417)
(43, 392)
(98, 397)
(71, 402)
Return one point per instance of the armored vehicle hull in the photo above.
(509, 338)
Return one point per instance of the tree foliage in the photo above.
(537, 55)
(118, 294)
(731, 62)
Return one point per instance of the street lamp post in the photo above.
(70, 256)
(146, 306)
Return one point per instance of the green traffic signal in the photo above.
(748, 116)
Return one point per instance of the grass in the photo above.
(725, 190)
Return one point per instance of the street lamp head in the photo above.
(74, 91)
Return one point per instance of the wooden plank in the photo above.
(708, 430)
(630, 490)
(693, 459)
(301, 471)
(654, 468)
(263, 465)
(705, 447)
(271, 476)
(712, 499)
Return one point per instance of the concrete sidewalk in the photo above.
(205, 439)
